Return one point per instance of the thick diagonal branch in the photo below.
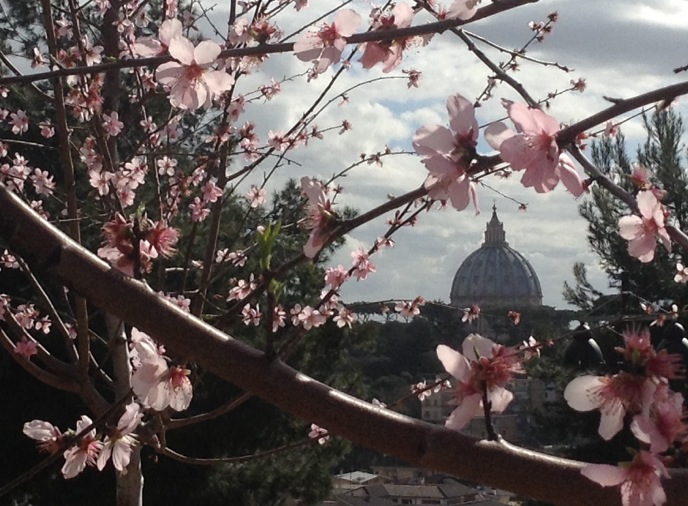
(492, 462)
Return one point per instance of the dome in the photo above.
(496, 274)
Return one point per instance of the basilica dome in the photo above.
(496, 274)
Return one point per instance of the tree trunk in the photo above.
(130, 483)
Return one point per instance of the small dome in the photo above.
(496, 274)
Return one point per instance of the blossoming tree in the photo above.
(149, 122)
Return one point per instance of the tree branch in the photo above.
(499, 464)
(265, 49)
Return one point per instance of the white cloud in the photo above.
(621, 47)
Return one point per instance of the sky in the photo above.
(621, 47)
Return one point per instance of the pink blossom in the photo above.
(320, 215)
(119, 248)
(613, 396)
(318, 433)
(471, 313)
(43, 182)
(409, 309)
(639, 479)
(279, 316)
(413, 78)
(84, 452)
(422, 390)
(484, 367)
(256, 196)
(212, 192)
(120, 441)
(157, 385)
(8, 260)
(611, 129)
(26, 315)
(534, 149)
(198, 210)
(163, 239)
(325, 46)
(112, 125)
(336, 276)
(681, 273)
(389, 53)
(26, 348)
(92, 54)
(361, 262)
(662, 424)
(242, 289)
(251, 316)
(48, 437)
(147, 46)
(191, 82)
(47, 130)
(100, 180)
(19, 121)
(269, 91)
(449, 152)
(345, 317)
(309, 318)
(640, 231)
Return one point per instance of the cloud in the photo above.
(621, 47)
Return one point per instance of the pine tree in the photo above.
(663, 156)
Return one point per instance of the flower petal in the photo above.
(579, 393)
(604, 474)
(464, 413)
(496, 133)
(347, 22)
(454, 363)
(182, 49)
(462, 116)
(206, 53)
(431, 140)
(569, 176)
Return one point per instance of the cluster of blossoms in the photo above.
(424, 390)
(324, 47)
(124, 241)
(307, 317)
(657, 415)
(89, 449)
(18, 172)
(450, 152)
(409, 309)
(481, 372)
(28, 318)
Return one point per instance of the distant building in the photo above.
(496, 274)
(356, 479)
(438, 495)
